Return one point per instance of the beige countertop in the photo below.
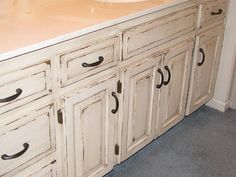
(27, 25)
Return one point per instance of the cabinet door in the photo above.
(177, 65)
(89, 130)
(205, 67)
(140, 97)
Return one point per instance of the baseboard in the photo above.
(233, 106)
(219, 105)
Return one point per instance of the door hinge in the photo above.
(119, 87)
(59, 117)
(117, 149)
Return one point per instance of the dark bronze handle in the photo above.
(169, 75)
(162, 79)
(220, 11)
(13, 97)
(9, 157)
(117, 103)
(100, 60)
(203, 57)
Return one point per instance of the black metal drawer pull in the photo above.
(169, 75)
(100, 60)
(203, 57)
(117, 103)
(162, 79)
(13, 97)
(220, 11)
(9, 157)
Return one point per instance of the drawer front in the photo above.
(47, 171)
(89, 60)
(213, 11)
(31, 138)
(43, 168)
(22, 86)
(156, 32)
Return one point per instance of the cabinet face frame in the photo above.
(213, 37)
(178, 59)
(75, 114)
(141, 76)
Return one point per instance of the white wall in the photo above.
(222, 96)
(233, 94)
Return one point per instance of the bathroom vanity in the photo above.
(82, 103)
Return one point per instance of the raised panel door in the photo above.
(177, 65)
(90, 127)
(205, 67)
(140, 97)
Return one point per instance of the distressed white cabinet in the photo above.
(205, 67)
(89, 119)
(140, 98)
(27, 120)
(77, 108)
(176, 68)
(155, 95)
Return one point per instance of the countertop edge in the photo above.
(69, 36)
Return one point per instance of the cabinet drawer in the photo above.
(89, 60)
(47, 171)
(153, 33)
(213, 11)
(43, 168)
(32, 136)
(23, 86)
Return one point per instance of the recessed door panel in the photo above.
(90, 124)
(177, 67)
(205, 67)
(140, 97)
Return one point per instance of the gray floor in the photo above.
(202, 145)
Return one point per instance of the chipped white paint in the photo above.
(56, 85)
